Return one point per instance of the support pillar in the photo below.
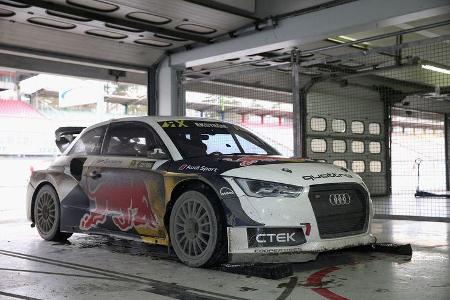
(152, 96)
(447, 149)
(299, 108)
(387, 142)
(170, 99)
(389, 97)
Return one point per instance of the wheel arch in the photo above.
(190, 185)
(36, 191)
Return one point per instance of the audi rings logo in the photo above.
(339, 199)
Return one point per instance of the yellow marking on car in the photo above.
(157, 241)
(174, 124)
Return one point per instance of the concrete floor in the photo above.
(103, 268)
(405, 204)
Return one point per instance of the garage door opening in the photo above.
(418, 152)
(33, 106)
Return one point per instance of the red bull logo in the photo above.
(249, 160)
(127, 204)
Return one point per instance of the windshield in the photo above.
(200, 138)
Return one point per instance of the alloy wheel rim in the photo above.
(193, 228)
(45, 213)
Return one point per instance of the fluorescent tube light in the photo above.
(436, 69)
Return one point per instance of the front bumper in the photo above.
(240, 249)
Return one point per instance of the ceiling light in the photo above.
(194, 28)
(153, 42)
(347, 38)
(436, 69)
(51, 23)
(106, 34)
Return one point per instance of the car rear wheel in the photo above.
(47, 215)
(197, 232)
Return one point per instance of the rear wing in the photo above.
(65, 135)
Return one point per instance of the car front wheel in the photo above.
(197, 231)
(47, 215)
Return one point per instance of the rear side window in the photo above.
(90, 142)
(133, 139)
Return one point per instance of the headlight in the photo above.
(260, 189)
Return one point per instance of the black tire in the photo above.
(197, 230)
(47, 215)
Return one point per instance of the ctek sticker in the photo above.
(275, 237)
(174, 124)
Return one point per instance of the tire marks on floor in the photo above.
(17, 296)
(157, 287)
(57, 273)
(289, 288)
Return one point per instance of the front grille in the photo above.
(339, 220)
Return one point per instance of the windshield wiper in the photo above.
(244, 154)
(215, 154)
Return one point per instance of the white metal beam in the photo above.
(167, 92)
(33, 41)
(35, 65)
(356, 16)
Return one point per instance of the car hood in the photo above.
(269, 168)
(296, 173)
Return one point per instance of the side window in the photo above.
(375, 166)
(339, 146)
(318, 145)
(374, 128)
(358, 166)
(375, 147)
(357, 127)
(318, 124)
(90, 142)
(340, 163)
(358, 147)
(133, 140)
(338, 125)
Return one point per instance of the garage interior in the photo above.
(361, 84)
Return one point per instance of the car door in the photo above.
(126, 190)
(75, 202)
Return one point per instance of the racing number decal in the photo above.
(174, 124)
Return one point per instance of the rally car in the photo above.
(212, 191)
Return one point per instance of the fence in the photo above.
(382, 113)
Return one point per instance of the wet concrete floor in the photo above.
(88, 267)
